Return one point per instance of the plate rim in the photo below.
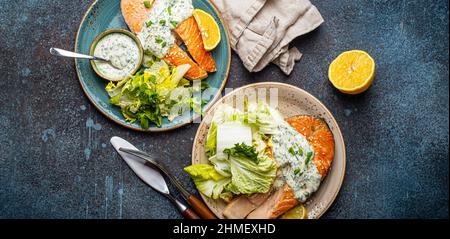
(211, 103)
(340, 136)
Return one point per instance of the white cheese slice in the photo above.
(230, 134)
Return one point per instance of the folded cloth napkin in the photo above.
(261, 30)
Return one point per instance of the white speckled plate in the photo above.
(291, 101)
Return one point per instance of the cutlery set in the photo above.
(151, 172)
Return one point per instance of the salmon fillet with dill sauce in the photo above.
(302, 177)
(319, 136)
(135, 13)
(190, 33)
(154, 24)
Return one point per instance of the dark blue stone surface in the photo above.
(56, 161)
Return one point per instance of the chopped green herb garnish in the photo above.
(173, 23)
(300, 152)
(308, 158)
(158, 40)
(164, 44)
(149, 23)
(242, 150)
(169, 10)
(291, 151)
(152, 78)
(147, 4)
(204, 85)
(297, 171)
(145, 101)
(162, 22)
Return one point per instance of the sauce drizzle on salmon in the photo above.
(136, 15)
(283, 199)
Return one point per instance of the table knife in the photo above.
(197, 205)
(149, 175)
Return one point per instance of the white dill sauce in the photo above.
(122, 51)
(165, 15)
(294, 156)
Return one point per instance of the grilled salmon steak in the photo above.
(319, 136)
(136, 13)
(190, 33)
(178, 57)
(321, 139)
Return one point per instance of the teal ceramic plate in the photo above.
(106, 14)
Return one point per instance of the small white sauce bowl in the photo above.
(122, 31)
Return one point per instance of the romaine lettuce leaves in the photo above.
(137, 99)
(211, 140)
(243, 172)
(251, 176)
(207, 180)
(247, 167)
(155, 91)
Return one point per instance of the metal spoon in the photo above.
(60, 52)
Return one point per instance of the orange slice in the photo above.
(209, 29)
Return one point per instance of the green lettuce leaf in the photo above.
(211, 140)
(160, 70)
(222, 165)
(165, 87)
(259, 141)
(250, 176)
(177, 103)
(264, 118)
(207, 180)
(251, 172)
(137, 99)
(259, 116)
(245, 169)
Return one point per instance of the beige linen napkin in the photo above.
(261, 30)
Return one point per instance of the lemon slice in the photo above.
(298, 212)
(352, 72)
(208, 27)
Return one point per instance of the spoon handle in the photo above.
(64, 53)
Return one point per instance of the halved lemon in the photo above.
(352, 72)
(298, 212)
(208, 27)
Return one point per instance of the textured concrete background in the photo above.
(56, 161)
